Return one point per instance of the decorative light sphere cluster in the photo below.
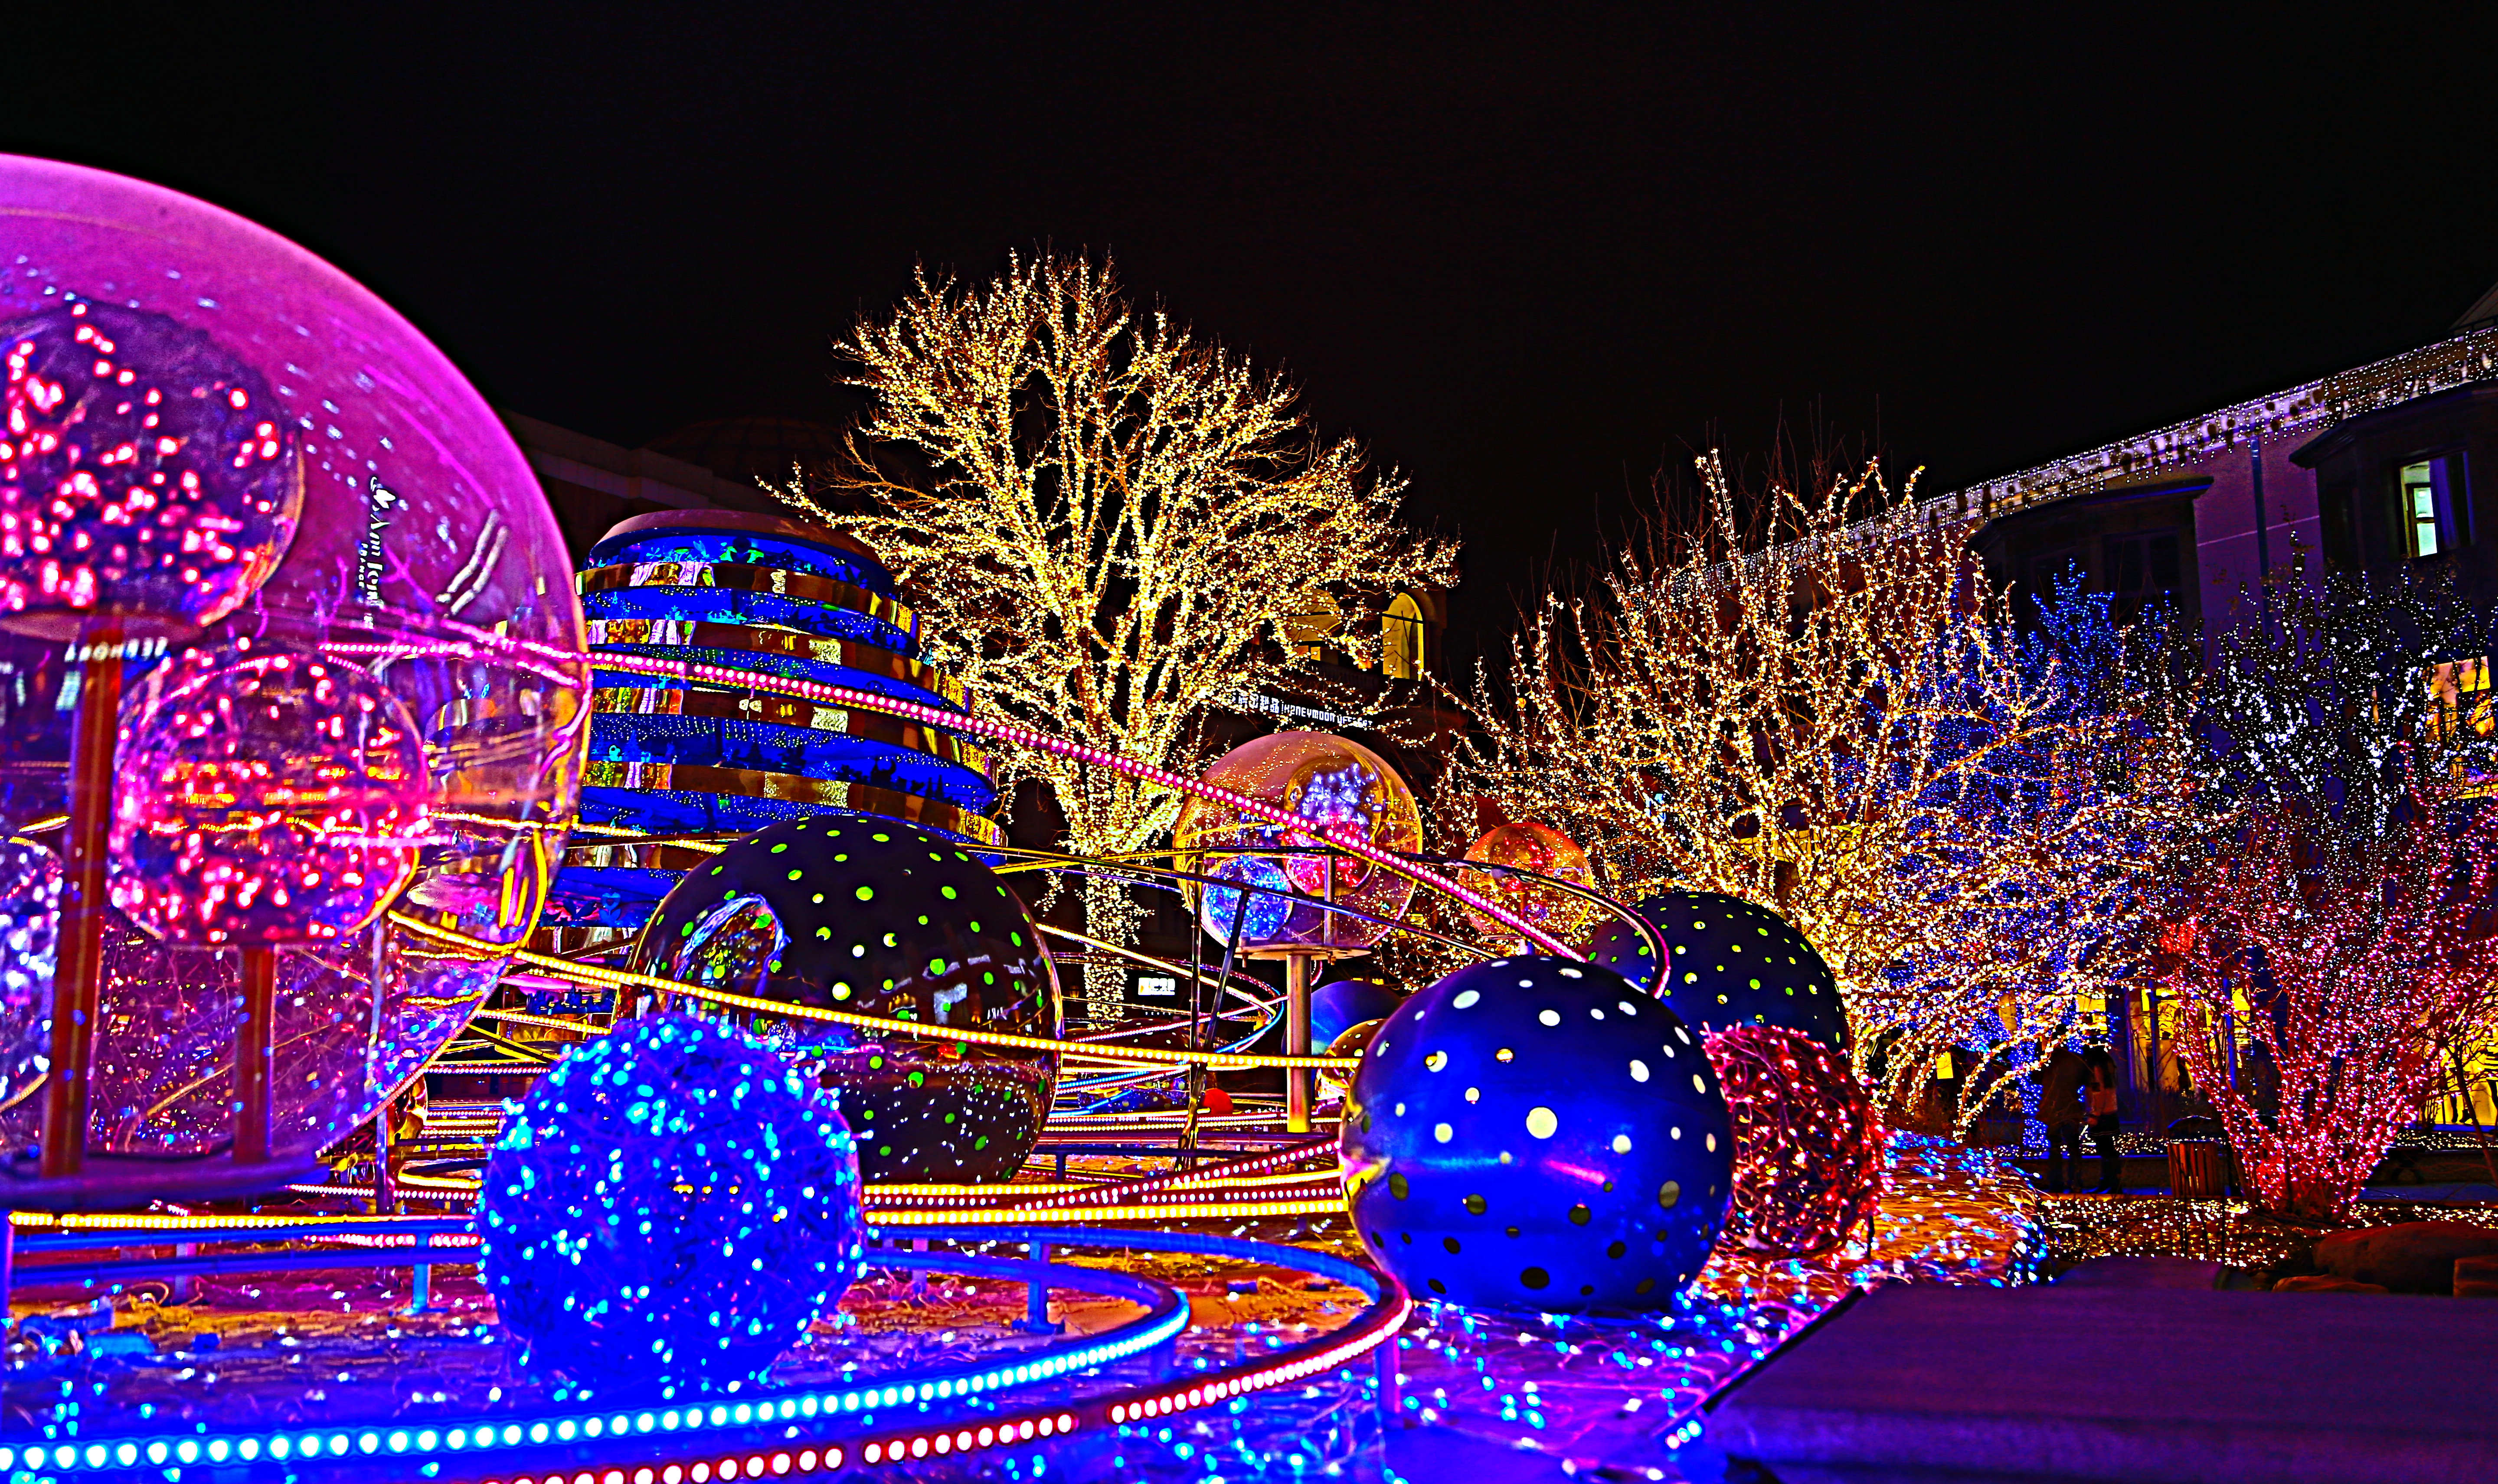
(1345, 792)
(144, 473)
(1807, 1166)
(671, 1208)
(275, 799)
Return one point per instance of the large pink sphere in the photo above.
(280, 800)
(145, 475)
(425, 557)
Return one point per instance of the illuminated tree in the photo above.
(2335, 934)
(1842, 723)
(1107, 523)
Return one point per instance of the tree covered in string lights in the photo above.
(2334, 930)
(1106, 521)
(1842, 722)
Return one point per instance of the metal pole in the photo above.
(2263, 550)
(1297, 1042)
(79, 985)
(422, 1293)
(1036, 1293)
(255, 1052)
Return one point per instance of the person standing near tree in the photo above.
(2060, 1108)
(2100, 1076)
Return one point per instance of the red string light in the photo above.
(1807, 1165)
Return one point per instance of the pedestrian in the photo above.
(2099, 1075)
(2060, 1108)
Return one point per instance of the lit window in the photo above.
(1400, 634)
(2430, 507)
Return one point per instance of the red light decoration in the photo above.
(1808, 1169)
(277, 800)
(2318, 979)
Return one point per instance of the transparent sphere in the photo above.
(1345, 791)
(1544, 851)
(280, 800)
(30, 919)
(424, 556)
(146, 476)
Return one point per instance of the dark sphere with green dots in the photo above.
(1733, 964)
(877, 917)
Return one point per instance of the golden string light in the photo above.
(1117, 522)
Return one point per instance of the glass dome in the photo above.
(1345, 790)
(1544, 851)
(418, 552)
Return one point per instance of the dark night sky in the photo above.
(1526, 257)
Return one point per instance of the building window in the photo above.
(2141, 566)
(1308, 630)
(2429, 507)
(1400, 637)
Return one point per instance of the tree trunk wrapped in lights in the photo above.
(1845, 725)
(2335, 934)
(1110, 524)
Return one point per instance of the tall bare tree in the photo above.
(1107, 524)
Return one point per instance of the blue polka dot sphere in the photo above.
(1619, 946)
(1739, 965)
(1536, 1132)
(669, 1211)
(878, 916)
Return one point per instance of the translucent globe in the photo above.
(423, 558)
(1339, 902)
(1543, 851)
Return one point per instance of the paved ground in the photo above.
(2143, 1385)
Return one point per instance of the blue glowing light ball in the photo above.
(1336, 1008)
(671, 1209)
(1537, 1132)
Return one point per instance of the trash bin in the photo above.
(2198, 1169)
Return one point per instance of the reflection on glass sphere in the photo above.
(1345, 791)
(30, 920)
(145, 474)
(1544, 851)
(878, 917)
(274, 800)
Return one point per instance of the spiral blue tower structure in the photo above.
(767, 596)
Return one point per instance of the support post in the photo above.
(420, 1293)
(255, 1048)
(1036, 1293)
(78, 989)
(1297, 1042)
(385, 1188)
(8, 1275)
(1391, 1399)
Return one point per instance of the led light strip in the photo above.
(1007, 1216)
(1027, 736)
(584, 973)
(438, 1445)
(1228, 1170)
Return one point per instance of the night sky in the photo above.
(1528, 257)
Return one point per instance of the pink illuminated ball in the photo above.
(277, 799)
(145, 475)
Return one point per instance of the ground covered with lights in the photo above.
(327, 1367)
